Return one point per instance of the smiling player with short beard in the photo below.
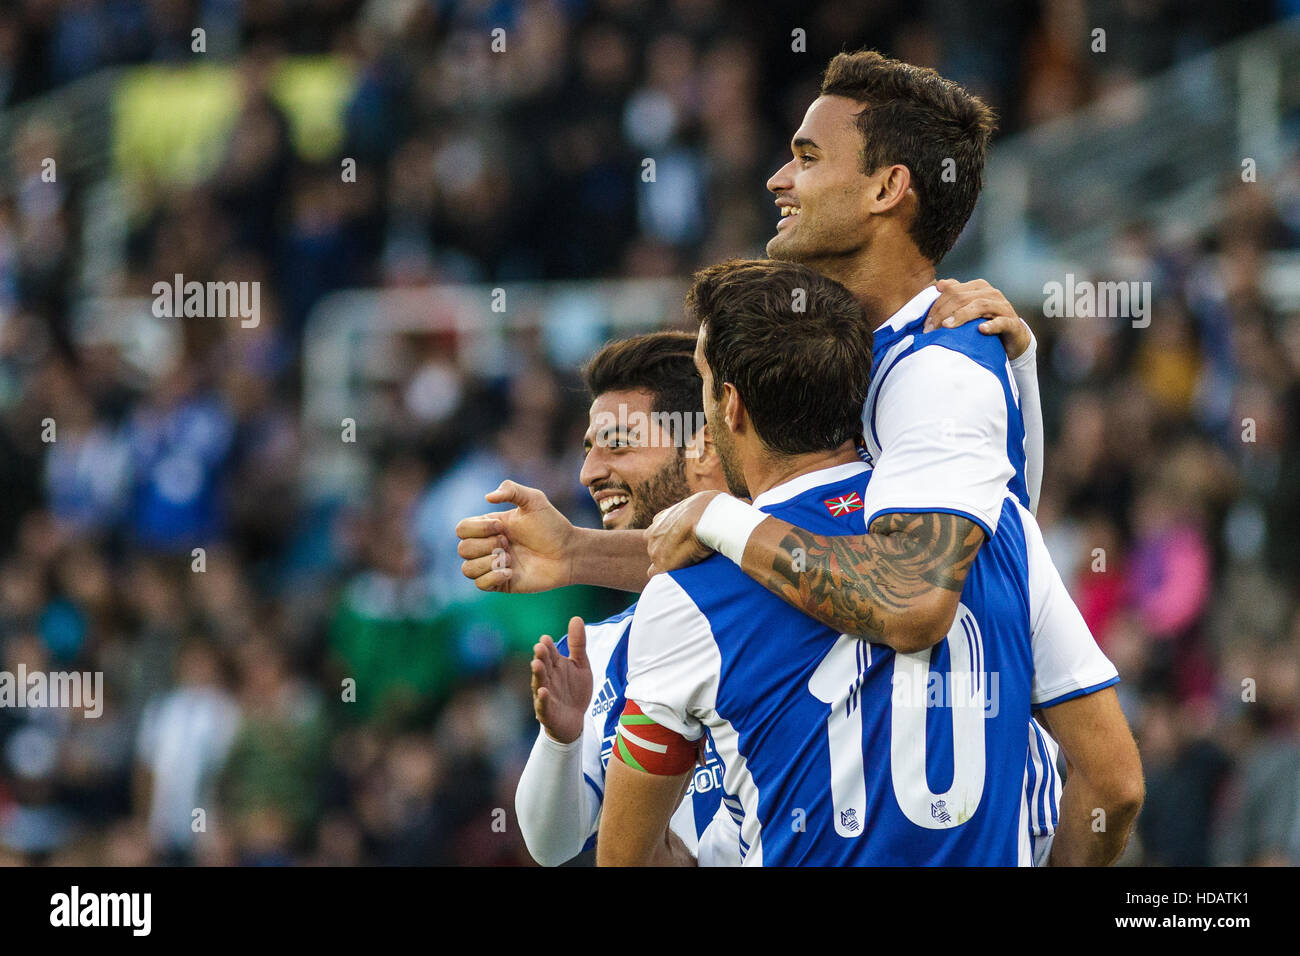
(633, 471)
(636, 464)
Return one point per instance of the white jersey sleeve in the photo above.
(1067, 661)
(672, 660)
(941, 420)
(556, 808)
(561, 789)
(1024, 371)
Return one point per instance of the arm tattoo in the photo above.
(856, 583)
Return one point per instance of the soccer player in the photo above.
(835, 750)
(885, 172)
(646, 448)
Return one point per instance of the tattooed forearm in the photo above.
(864, 585)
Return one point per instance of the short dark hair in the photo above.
(917, 118)
(661, 363)
(803, 375)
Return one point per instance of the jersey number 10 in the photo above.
(838, 682)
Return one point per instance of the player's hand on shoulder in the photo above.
(526, 549)
(562, 685)
(671, 540)
(962, 302)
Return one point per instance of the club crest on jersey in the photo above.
(843, 504)
(605, 699)
(849, 817)
(939, 810)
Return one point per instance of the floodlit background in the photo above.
(1167, 153)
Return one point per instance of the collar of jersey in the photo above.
(796, 486)
(916, 307)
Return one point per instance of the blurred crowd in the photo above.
(1170, 504)
(291, 679)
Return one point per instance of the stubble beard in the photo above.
(732, 473)
(661, 491)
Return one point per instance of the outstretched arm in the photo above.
(532, 547)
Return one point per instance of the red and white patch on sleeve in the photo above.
(646, 746)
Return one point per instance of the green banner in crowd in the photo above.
(173, 123)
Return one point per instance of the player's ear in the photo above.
(733, 409)
(889, 186)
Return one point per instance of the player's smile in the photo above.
(789, 212)
(613, 504)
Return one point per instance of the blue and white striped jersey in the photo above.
(840, 752)
(943, 428)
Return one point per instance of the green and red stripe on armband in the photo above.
(646, 746)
